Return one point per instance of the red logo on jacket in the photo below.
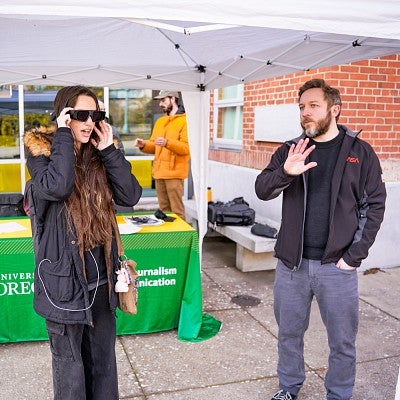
(353, 160)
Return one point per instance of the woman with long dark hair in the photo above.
(77, 177)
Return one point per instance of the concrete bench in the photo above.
(253, 253)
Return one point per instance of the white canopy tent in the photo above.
(191, 46)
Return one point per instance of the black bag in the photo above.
(264, 230)
(235, 212)
(11, 204)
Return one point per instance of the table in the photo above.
(170, 294)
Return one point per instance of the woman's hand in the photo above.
(64, 119)
(104, 134)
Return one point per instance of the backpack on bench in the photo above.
(235, 212)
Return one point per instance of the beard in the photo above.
(313, 129)
(167, 109)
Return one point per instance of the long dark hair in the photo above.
(90, 210)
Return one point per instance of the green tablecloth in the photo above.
(170, 294)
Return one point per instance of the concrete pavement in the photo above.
(240, 362)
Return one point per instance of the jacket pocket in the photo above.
(57, 278)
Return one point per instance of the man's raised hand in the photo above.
(295, 162)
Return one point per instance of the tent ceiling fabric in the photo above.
(202, 47)
(356, 17)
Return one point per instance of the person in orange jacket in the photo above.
(170, 146)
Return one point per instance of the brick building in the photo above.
(370, 92)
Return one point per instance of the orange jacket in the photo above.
(171, 161)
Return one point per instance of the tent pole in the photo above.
(106, 99)
(21, 117)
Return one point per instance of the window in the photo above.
(131, 111)
(37, 105)
(228, 117)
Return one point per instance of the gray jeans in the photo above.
(336, 292)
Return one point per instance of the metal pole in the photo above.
(21, 116)
(106, 99)
(125, 128)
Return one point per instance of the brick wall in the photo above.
(370, 92)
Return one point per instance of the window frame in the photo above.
(237, 103)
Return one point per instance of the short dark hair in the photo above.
(332, 95)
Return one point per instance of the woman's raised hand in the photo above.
(104, 134)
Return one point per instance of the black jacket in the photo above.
(60, 286)
(357, 203)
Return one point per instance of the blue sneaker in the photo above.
(283, 395)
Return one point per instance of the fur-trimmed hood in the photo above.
(38, 140)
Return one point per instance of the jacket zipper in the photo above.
(296, 267)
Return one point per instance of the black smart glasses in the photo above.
(83, 115)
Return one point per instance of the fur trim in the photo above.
(38, 140)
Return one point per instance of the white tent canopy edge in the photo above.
(358, 17)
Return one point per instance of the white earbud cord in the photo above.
(68, 309)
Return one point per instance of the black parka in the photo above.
(61, 292)
(356, 208)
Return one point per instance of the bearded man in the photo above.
(332, 208)
(170, 146)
